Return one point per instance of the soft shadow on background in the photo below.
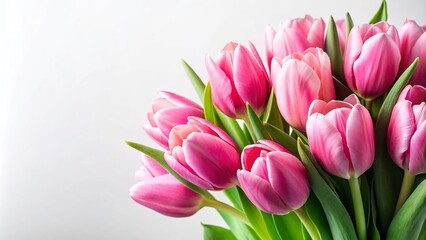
(77, 78)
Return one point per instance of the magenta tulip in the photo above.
(273, 179)
(413, 45)
(294, 36)
(203, 154)
(372, 59)
(407, 130)
(341, 136)
(233, 78)
(161, 192)
(299, 79)
(169, 110)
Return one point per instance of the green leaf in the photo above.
(270, 225)
(301, 135)
(338, 218)
(234, 130)
(341, 90)
(256, 124)
(408, 222)
(349, 25)
(158, 156)
(316, 214)
(387, 176)
(210, 113)
(381, 14)
(282, 138)
(288, 226)
(272, 114)
(332, 48)
(196, 81)
(212, 232)
(373, 231)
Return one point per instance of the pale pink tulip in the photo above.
(273, 179)
(407, 130)
(341, 136)
(160, 191)
(169, 110)
(203, 154)
(372, 59)
(299, 79)
(413, 44)
(237, 77)
(294, 35)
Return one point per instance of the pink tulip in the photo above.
(341, 136)
(203, 154)
(273, 179)
(233, 78)
(169, 110)
(407, 130)
(372, 59)
(294, 35)
(161, 192)
(413, 42)
(341, 34)
(299, 79)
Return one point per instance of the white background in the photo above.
(77, 78)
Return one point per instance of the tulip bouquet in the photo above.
(324, 140)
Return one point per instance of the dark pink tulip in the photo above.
(238, 76)
(413, 44)
(407, 130)
(161, 192)
(273, 179)
(299, 79)
(294, 35)
(341, 136)
(203, 154)
(169, 110)
(372, 59)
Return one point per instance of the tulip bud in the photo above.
(299, 79)
(413, 42)
(161, 192)
(372, 59)
(169, 110)
(273, 179)
(234, 76)
(295, 35)
(341, 34)
(203, 154)
(341, 136)
(407, 130)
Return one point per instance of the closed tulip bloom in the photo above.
(294, 35)
(372, 59)
(413, 45)
(169, 110)
(341, 34)
(238, 76)
(203, 154)
(407, 130)
(273, 179)
(341, 136)
(161, 192)
(298, 80)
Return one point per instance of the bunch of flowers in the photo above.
(324, 140)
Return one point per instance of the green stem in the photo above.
(221, 206)
(358, 208)
(307, 222)
(368, 105)
(407, 184)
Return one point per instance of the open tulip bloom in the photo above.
(326, 139)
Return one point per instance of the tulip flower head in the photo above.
(341, 136)
(203, 154)
(169, 110)
(407, 130)
(273, 179)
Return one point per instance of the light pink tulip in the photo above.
(161, 192)
(238, 76)
(169, 110)
(299, 79)
(203, 154)
(273, 179)
(294, 35)
(372, 59)
(341, 136)
(413, 44)
(407, 130)
(341, 34)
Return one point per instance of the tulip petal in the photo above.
(157, 136)
(168, 118)
(353, 50)
(417, 163)
(179, 101)
(288, 41)
(152, 166)
(205, 126)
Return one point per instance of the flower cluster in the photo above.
(328, 133)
